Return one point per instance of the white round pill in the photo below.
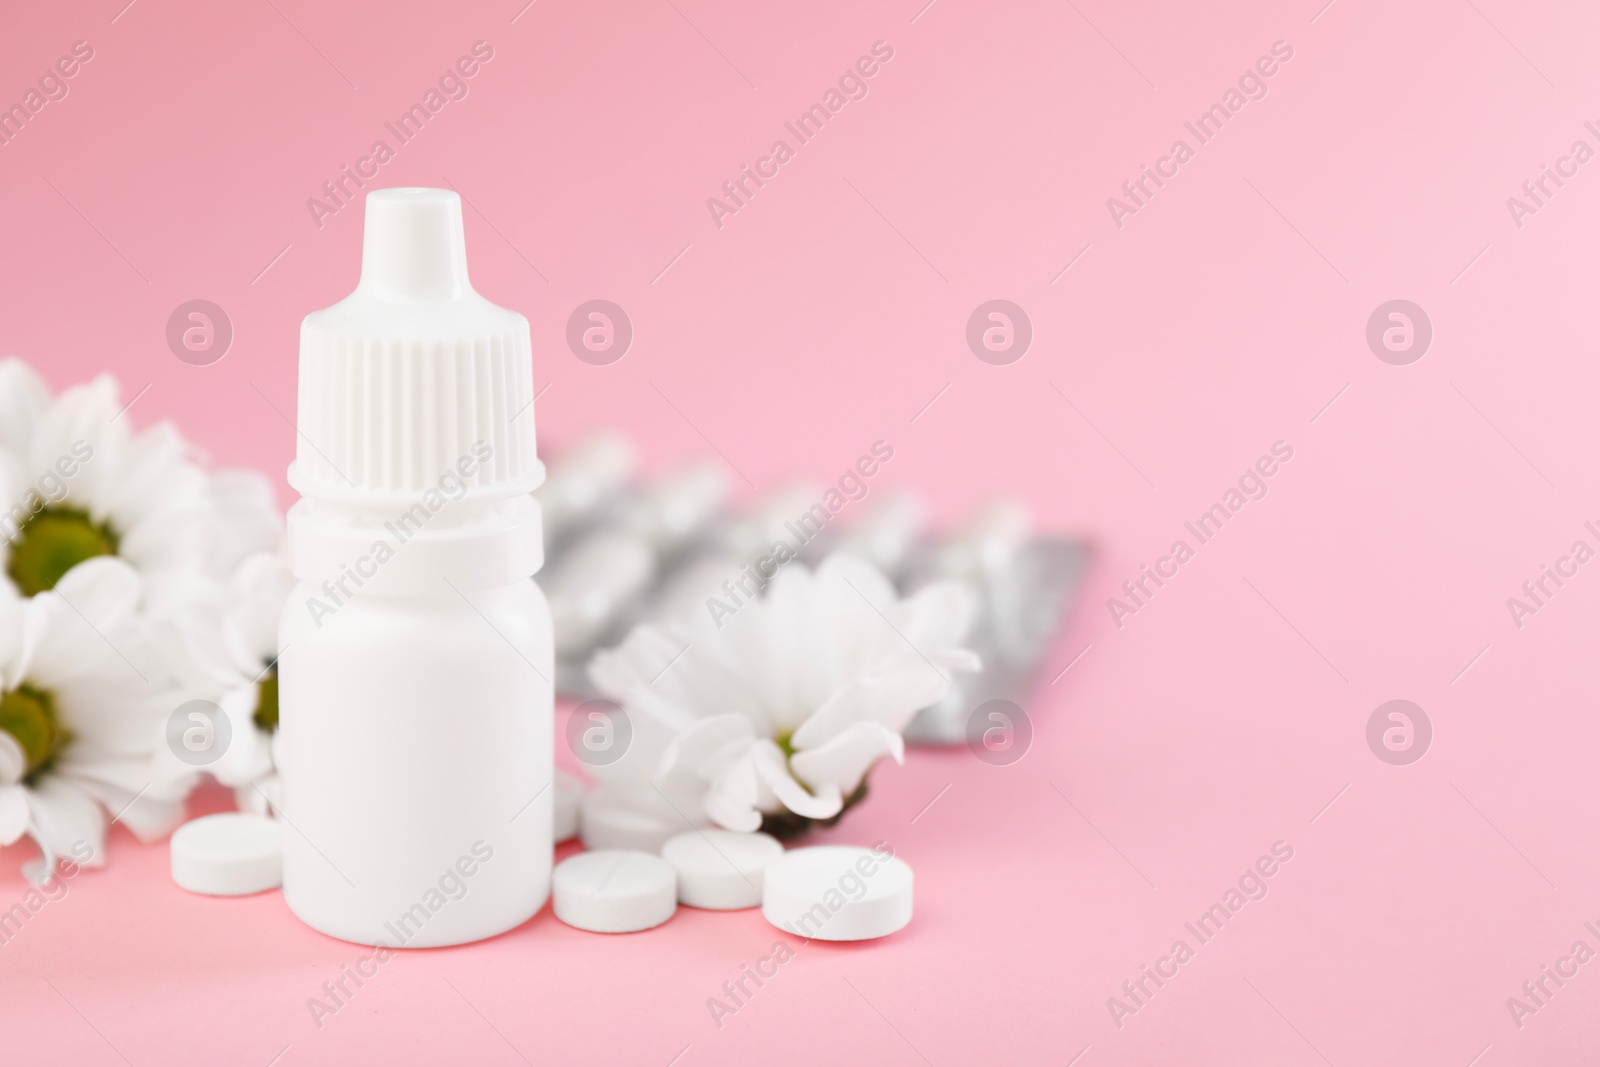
(614, 891)
(569, 803)
(720, 869)
(612, 823)
(837, 893)
(228, 855)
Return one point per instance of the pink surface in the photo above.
(1228, 313)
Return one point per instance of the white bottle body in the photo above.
(415, 752)
(415, 719)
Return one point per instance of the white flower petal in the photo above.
(66, 821)
(652, 722)
(192, 644)
(860, 576)
(171, 587)
(249, 754)
(155, 480)
(702, 748)
(81, 422)
(19, 496)
(13, 812)
(13, 761)
(23, 395)
(111, 714)
(774, 771)
(937, 616)
(632, 665)
(958, 659)
(150, 817)
(104, 590)
(246, 518)
(62, 644)
(682, 668)
(260, 798)
(733, 798)
(255, 597)
(15, 640)
(845, 760)
(889, 699)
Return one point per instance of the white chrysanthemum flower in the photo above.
(85, 485)
(76, 482)
(78, 720)
(774, 717)
(226, 653)
(245, 520)
(78, 485)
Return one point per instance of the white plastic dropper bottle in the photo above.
(414, 677)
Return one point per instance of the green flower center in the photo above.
(29, 716)
(266, 716)
(53, 542)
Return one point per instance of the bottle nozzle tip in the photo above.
(414, 249)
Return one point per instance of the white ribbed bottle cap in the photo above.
(414, 372)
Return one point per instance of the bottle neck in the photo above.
(431, 544)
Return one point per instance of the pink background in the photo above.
(828, 313)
